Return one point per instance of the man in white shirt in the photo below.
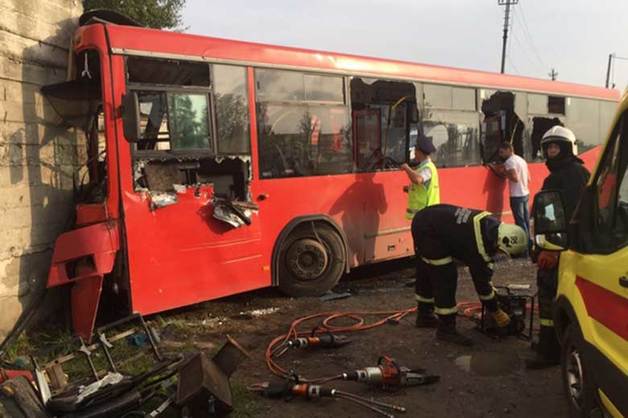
(515, 169)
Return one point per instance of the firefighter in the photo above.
(442, 233)
(568, 176)
(424, 189)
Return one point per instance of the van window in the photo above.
(611, 191)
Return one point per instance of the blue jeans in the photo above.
(519, 207)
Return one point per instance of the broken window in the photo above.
(302, 124)
(382, 113)
(79, 104)
(540, 125)
(167, 72)
(193, 128)
(500, 124)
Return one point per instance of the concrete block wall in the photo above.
(37, 154)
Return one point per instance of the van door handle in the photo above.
(623, 281)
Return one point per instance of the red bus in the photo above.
(213, 167)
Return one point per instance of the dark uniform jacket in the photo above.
(569, 177)
(442, 231)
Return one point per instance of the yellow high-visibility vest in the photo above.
(420, 195)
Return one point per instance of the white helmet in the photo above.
(560, 134)
(511, 239)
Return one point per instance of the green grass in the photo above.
(246, 404)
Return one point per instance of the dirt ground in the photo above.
(486, 380)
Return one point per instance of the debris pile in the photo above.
(123, 373)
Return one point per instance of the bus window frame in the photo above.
(345, 103)
(135, 88)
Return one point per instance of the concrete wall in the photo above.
(37, 155)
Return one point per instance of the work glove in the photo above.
(501, 318)
(547, 260)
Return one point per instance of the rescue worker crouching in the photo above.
(568, 176)
(424, 188)
(442, 233)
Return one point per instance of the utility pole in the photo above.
(553, 74)
(608, 69)
(506, 3)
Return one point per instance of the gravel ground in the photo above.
(487, 380)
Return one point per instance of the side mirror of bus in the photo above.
(550, 221)
(131, 116)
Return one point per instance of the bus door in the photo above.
(192, 231)
(382, 112)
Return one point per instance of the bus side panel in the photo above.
(180, 254)
(370, 207)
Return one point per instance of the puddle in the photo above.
(489, 363)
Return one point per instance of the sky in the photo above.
(575, 37)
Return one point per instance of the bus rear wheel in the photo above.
(311, 260)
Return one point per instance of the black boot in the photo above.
(446, 331)
(425, 317)
(547, 350)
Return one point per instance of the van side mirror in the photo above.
(131, 116)
(550, 221)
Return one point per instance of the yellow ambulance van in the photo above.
(591, 308)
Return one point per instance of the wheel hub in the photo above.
(307, 259)
(575, 376)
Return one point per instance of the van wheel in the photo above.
(577, 381)
(311, 260)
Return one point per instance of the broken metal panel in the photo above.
(234, 213)
(203, 383)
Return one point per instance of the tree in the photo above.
(160, 14)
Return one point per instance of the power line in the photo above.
(512, 64)
(527, 34)
(521, 48)
(509, 50)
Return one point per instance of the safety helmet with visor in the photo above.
(561, 136)
(511, 239)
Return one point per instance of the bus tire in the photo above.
(311, 260)
(577, 380)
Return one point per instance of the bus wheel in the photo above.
(311, 260)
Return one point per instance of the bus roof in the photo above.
(128, 40)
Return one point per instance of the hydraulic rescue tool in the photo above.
(327, 340)
(291, 388)
(389, 375)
